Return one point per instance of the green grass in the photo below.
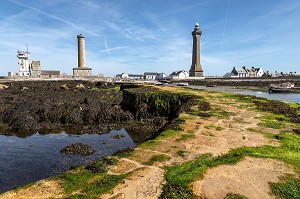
(186, 117)
(178, 177)
(157, 158)
(293, 105)
(181, 153)
(190, 131)
(260, 131)
(272, 124)
(235, 196)
(168, 133)
(221, 114)
(75, 181)
(150, 144)
(185, 137)
(288, 189)
(274, 117)
(217, 128)
(82, 179)
(104, 184)
(80, 196)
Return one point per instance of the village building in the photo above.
(50, 73)
(245, 72)
(279, 74)
(136, 76)
(37, 72)
(230, 75)
(36, 68)
(122, 76)
(161, 76)
(181, 74)
(259, 72)
(150, 75)
(239, 72)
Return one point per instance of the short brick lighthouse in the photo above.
(196, 69)
(81, 70)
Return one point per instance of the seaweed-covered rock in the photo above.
(78, 149)
(101, 165)
(59, 105)
(279, 107)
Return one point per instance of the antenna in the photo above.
(27, 47)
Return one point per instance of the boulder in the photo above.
(64, 87)
(78, 149)
(3, 86)
(80, 86)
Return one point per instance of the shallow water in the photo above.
(288, 97)
(25, 160)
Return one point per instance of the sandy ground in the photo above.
(40, 190)
(249, 177)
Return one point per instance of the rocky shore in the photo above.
(79, 107)
(226, 146)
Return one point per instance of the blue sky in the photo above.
(137, 36)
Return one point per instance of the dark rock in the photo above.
(204, 106)
(118, 136)
(296, 131)
(58, 105)
(78, 149)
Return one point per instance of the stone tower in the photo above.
(196, 69)
(81, 51)
(24, 62)
(81, 70)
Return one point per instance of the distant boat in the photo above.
(182, 84)
(283, 87)
(214, 85)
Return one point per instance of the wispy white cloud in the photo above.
(130, 36)
(53, 17)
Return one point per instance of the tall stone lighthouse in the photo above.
(81, 70)
(196, 69)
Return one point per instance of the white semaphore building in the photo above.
(24, 63)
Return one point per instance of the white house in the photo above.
(259, 72)
(122, 76)
(150, 75)
(182, 74)
(136, 76)
(240, 72)
(161, 76)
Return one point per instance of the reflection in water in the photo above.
(24, 160)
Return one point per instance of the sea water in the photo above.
(25, 160)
